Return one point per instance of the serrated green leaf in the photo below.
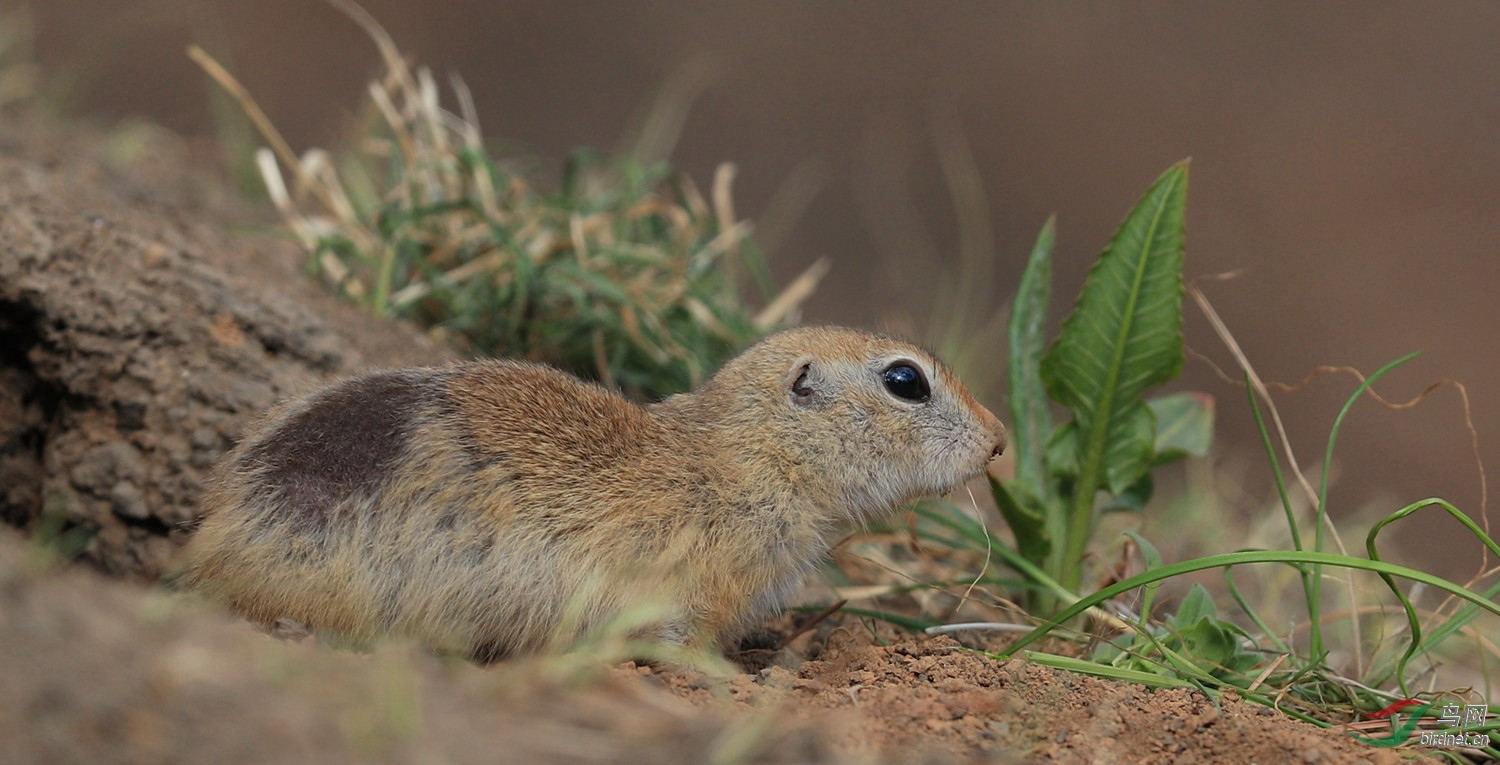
(1124, 336)
(1032, 422)
(1184, 425)
(1128, 448)
(1129, 454)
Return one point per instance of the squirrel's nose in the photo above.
(999, 441)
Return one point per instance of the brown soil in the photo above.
(100, 671)
(137, 339)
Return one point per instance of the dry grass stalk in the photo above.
(625, 273)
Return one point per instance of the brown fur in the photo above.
(498, 507)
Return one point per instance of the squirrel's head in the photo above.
(878, 421)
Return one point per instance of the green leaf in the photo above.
(1123, 337)
(1023, 512)
(1128, 450)
(1127, 456)
(1184, 425)
(1062, 451)
(1198, 604)
(1208, 644)
(1031, 421)
(1152, 558)
(1134, 498)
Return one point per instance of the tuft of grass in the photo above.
(621, 270)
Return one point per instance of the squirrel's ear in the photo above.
(798, 384)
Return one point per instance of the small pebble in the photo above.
(807, 684)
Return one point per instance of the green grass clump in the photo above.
(620, 271)
(1344, 644)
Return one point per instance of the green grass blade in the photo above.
(1026, 518)
(1314, 604)
(1251, 613)
(1308, 587)
(1265, 438)
(1085, 667)
(1241, 558)
(1004, 553)
(1454, 623)
(1124, 336)
(905, 622)
(1031, 422)
(1152, 558)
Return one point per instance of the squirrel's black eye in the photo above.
(906, 382)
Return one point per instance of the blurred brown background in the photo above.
(1346, 154)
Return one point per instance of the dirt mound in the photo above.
(137, 339)
(97, 671)
(100, 671)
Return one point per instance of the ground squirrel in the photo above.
(499, 507)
